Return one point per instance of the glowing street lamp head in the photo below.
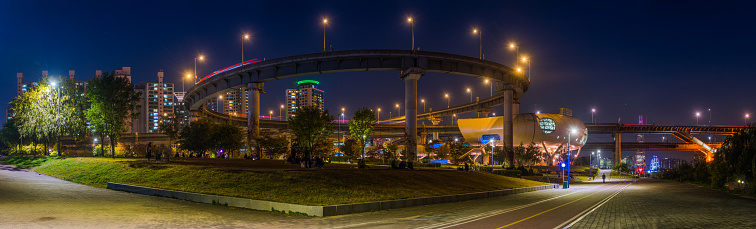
(397, 105)
(342, 109)
(282, 106)
(511, 45)
(54, 84)
(201, 57)
(422, 100)
(563, 165)
(486, 80)
(698, 114)
(246, 36)
(475, 31)
(593, 110)
(524, 59)
(220, 97)
(519, 70)
(573, 131)
(409, 19)
(468, 90)
(748, 115)
(188, 75)
(325, 21)
(446, 95)
(379, 109)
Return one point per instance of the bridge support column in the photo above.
(507, 137)
(617, 148)
(515, 107)
(220, 106)
(253, 117)
(410, 77)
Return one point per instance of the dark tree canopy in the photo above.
(310, 125)
(362, 124)
(112, 101)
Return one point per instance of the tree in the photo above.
(9, 135)
(227, 137)
(310, 125)
(457, 151)
(621, 167)
(351, 147)
(196, 137)
(112, 100)
(392, 150)
(273, 146)
(362, 125)
(170, 127)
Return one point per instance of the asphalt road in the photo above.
(29, 200)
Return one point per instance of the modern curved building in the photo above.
(547, 131)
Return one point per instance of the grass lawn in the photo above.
(271, 180)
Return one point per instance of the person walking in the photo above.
(603, 178)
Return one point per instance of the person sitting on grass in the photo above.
(319, 163)
(361, 164)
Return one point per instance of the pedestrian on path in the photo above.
(603, 178)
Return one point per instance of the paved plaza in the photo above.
(29, 200)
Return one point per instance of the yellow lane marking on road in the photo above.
(529, 217)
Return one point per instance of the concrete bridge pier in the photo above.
(253, 104)
(516, 107)
(617, 148)
(410, 77)
(508, 138)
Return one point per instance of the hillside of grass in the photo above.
(288, 184)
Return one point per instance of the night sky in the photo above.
(663, 60)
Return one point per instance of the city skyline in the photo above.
(556, 72)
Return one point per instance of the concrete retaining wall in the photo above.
(330, 210)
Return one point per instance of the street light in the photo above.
(526, 61)
(245, 37)
(379, 115)
(447, 100)
(398, 110)
(698, 114)
(468, 91)
(183, 83)
(480, 39)
(341, 117)
(517, 51)
(593, 111)
(569, 139)
(709, 116)
(57, 117)
(746, 119)
(325, 22)
(279, 111)
(423, 101)
(412, 27)
(453, 116)
(270, 115)
(195, 67)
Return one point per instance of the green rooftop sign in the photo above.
(307, 81)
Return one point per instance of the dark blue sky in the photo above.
(665, 60)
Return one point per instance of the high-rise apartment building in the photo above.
(305, 94)
(157, 102)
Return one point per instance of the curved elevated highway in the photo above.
(412, 65)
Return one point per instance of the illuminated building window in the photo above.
(547, 125)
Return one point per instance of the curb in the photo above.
(330, 210)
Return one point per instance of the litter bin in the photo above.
(565, 184)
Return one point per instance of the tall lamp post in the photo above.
(528, 62)
(412, 28)
(325, 22)
(468, 91)
(746, 119)
(399, 111)
(569, 139)
(698, 114)
(447, 100)
(423, 101)
(279, 112)
(341, 117)
(195, 67)
(379, 115)
(364, 138)
(57, 117)
(517, 51)
(593, 111)
(480, 39)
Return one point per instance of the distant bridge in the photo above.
(682, 132)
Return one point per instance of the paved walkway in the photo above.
(29, 200)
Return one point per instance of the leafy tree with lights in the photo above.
(195, 137)
(351, 147)
(361, 125)
(227, 137)
(273, 146)
(311, 126)
(112, 100)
